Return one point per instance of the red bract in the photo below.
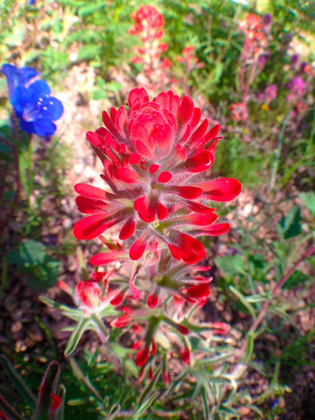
(89, 294)
(155, 155)
(149, 27)
(189, 60)
(148, 23)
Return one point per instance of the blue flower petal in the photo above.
(27, 126)
(17, 77)
(19, 98)
(39, 89)
(51, 108)
(43, 127)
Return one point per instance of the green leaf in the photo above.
(308, 199)
(47, 388)
(33, 261)
(84, 380)
(231, 265)
(146, 404)
(113, 87)
(205, 404)
(243, 300)
(295, 280)
(290, 226)
(249, 348)
(150, 387)
(75, 337)
(82, 265)
(18, 382)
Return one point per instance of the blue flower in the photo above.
(17, 77)
(36, 109)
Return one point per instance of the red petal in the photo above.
(89, 191)
(143, 150)
(127, 175)
(137, 97)
(92, 226)
(200, 162)
(134, 159)
(197, 291)
(56, 402)
(199, 133)
(223, 189)
(185, 355)
(162, 211)
(118, 298)
(215, 230)
(142, 356)
(153, 168)
(165, 177)
(153, 300)
(138, 248)
(128, 229)
(91, 206)
(212, 133)
(185, 110)
(106, 257)
(186, 192)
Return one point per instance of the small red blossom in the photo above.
(149, 27)
(185, 354)
(56, 402)
(189, 60)
(148, 23)
(154, 157)
(89, 294)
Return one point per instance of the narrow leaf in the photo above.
(47, 388)
(243, 300)
(76, 335)
(18, 382)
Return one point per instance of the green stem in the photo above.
(278, 153)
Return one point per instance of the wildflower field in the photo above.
(157, 217)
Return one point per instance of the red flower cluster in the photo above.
(149, 27)
(189, 60)
(149, 23)
(154, 155)
(255, 40)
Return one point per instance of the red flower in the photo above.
(154, 155)
(89, 293)
(148, 23)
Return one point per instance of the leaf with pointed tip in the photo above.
(74, 314)
(18, 382)
(150, 387)
(81, 261)
(48, 387)
(83, 379)
(62, 394)
(75, 337)
(146, 404)
(243, 300)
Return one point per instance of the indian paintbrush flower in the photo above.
(155, 155)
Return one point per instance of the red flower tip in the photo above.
(119, 297)
(151, 373)
(142, 356)
(166, 378)
(185, 355)
(3, 416)
(153, 299)
(153, 347)
(56, 402)
(182, 329)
